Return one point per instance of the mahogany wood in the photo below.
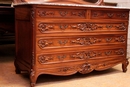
(64, 40)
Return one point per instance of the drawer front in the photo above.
(60, 13)
(106, 14)
(81, 67)
(79, 55)
(83, 27)
(43, 43)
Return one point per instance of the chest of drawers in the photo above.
(64, 40)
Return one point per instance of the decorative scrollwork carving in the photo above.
(85, 68)
(121, 26)
(86, 40)
(45, 27)
(109, 39)
(63, 13)
(43, 43)
(95, 14)
(62, 42)
(108, 53)
(44, 59)
(78, 13)
(109, 26)
(87, 27)
(122, 15)
(85, 55)
(120, 39)
(120, 52)
(43, 13)
(110, 15)
(63, 26)
(61, 57)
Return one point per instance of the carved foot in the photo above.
(33, 78)
(124, 65)
(32, 84)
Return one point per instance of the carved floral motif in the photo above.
(62, 42)
(61, 57)
(85, 26)
(85, 68)
(108, 53)
(99, 14)
(122, 15)
(78, 13)
(43, 43)
(85, 55)
(44, 59)
(120, 39)
(63, 26)
(45, 27)
(121, 26)
(42, 27)
(120, 52)
(43, 13)
(86, 40)
(109, 39)
(62, 13)
(110, 15)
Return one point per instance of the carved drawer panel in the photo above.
(74, 55)
(44, 43)
(105, 14)
(60, 13)
(81, 67)
(44, 27)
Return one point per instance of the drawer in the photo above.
(60, 13)
(43, 43)
(86, 26)
(79, 55)
(106, 14)
(81, 67)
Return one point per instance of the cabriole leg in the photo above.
(124, 65)
(33, 78)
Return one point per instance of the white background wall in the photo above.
(123, 3)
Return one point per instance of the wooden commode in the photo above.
(63, 39)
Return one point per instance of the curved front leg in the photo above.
(33, 78)
(124, 65)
